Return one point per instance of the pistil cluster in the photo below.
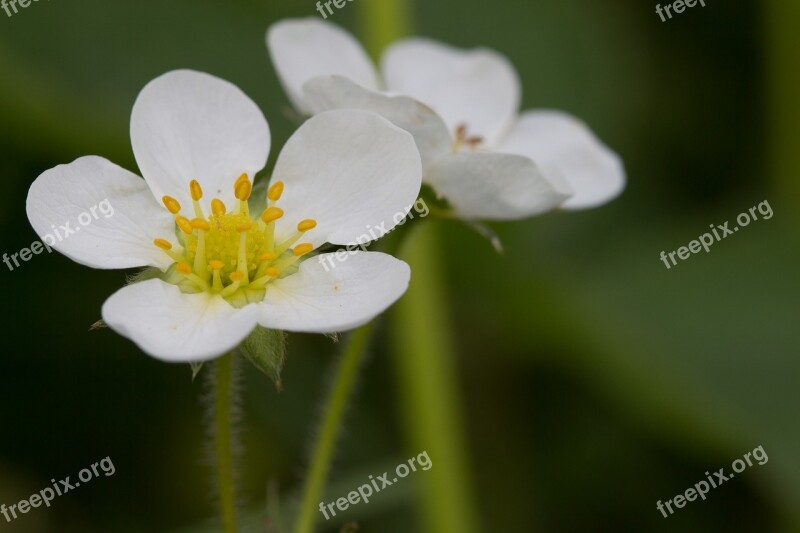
(231, 253)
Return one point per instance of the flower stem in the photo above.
(384, 21)
(223, 439)
(335, 405)
(783, 82)
(425, 360)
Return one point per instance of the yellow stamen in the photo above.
(243, 190)
(218, 207)
(216, 265)
(171, 204)
(196, 190)
(242, 229)
(271, 214)
(269, 256)
(240, 179)
(236, 278)
(275, 191)
(166, 246)
(264, 277)
(199, 223)
(307, 225)
(184, 224)
(302, 249)
(183, 268)
(163, 244)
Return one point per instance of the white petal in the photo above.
(176, 327)
(346, 295)
(557, 140)
(99, 215)
(477, 88)
(302, 49)
(428, 129)
(350, 171)
(496, 186)
(190, 125)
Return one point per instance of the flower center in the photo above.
(232, 254)
(462, 139)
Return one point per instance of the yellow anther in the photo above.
(183, 268)
(243, 189)
(303, 249)
(306, 225)
(216, 265)
(240, 179)
(171, 204)
(272, 272)
(196, 190)
(218, 207)
(163, 244)
(199, 223)
(184, 224)
(271, 214)
(275, 191)
(237, 276)
(241, 228)
(269, 256)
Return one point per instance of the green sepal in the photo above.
(266, 349)
(144, 275)
(196, 368)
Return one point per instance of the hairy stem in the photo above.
(223, 440)
(335, 405)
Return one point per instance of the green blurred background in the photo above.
(594, 380)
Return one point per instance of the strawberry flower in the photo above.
(461, 106)
(199, 141)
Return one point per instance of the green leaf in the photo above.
(266, 349)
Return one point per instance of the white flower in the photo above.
(197, 137)
(462, 109)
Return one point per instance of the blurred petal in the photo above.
(477, 88)
(496, 186)
(556, 140)
(190, 125)
(177, 327)
(348, 170)
(429, 131)
(302, 49)
(110, 210)
(350, 293)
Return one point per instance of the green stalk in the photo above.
(383, 21)
(424, 355)
(425, 360)
(783, 77)
(335, 405)
(223, 440)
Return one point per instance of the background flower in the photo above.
(477, 95)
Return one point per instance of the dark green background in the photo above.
(595, 381)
